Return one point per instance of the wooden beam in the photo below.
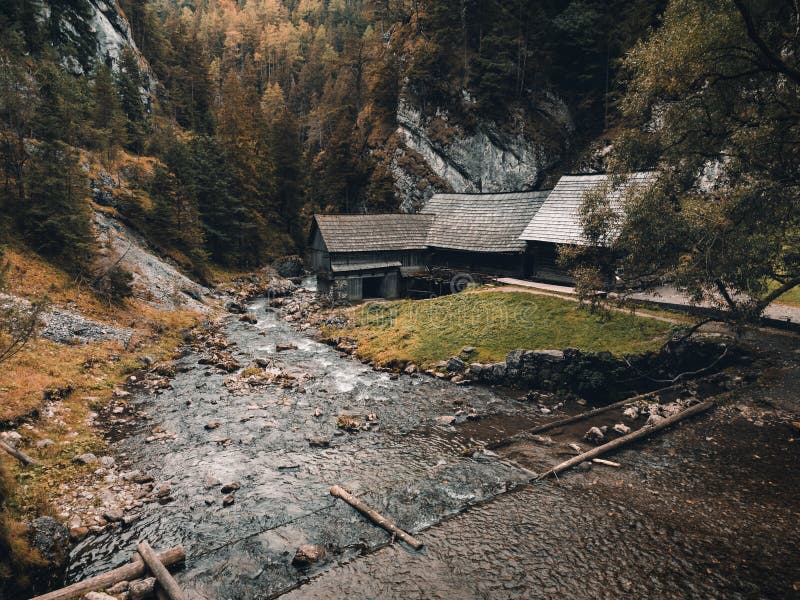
(376, 517)
(619, 442)
(157, 568)
(134, 570)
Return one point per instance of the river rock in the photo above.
(211, 426)
(113, 515)
(77, 534)
(622, 429)
(307, 555)
(11, 437)
(456, 365)
(319, 442)
(230, 487)
(285, 347)
(248, 318)
(209, 481)
(631, 413)
(446, 419)
(44, 443)
(85, 459)
(653, 419)
(107, 461)
(594, 435)
(228, 500)
(234, 307)
(163, 490)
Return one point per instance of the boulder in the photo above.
(308, 555)
(621, 429)
(84, 459)
(319, 442)
(234, 307)
(248, 318)
(50, 538)
(113, 515)
(230, 487)
(456, 365)
(631, 413)
(594, 435)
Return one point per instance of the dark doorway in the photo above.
(372, 287)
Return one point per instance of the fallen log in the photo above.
(134, 570)
(18, 454)
(625, 439)
(375, 517)
(598, 411)
(157, 568)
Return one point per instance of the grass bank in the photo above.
(494, 323)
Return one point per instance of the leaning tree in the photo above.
(712, 104)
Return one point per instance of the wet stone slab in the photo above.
(407, 465)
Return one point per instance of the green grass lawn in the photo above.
(494, 323)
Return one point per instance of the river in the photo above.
(488, 532)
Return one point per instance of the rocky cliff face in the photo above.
(109, 33)
(435, 154)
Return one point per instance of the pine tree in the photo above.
(107, 117)
(129, 86)
(55, 218)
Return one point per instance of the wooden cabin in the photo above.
(481, 232)
(558, 221)
(368, 255)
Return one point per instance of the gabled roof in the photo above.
(481, 222)
(374, 233)
(558, 220)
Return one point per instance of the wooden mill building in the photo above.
(558, 220)
(512, 234)
(481, 232)
(368, 253)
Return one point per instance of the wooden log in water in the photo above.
(157, 568)
(626, 439)
(376, 517)
(134, 570)
(18, 454)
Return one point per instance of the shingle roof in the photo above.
(558, 220)
(374, 233)
(481, 222)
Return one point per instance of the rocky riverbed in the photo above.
(244, 435)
